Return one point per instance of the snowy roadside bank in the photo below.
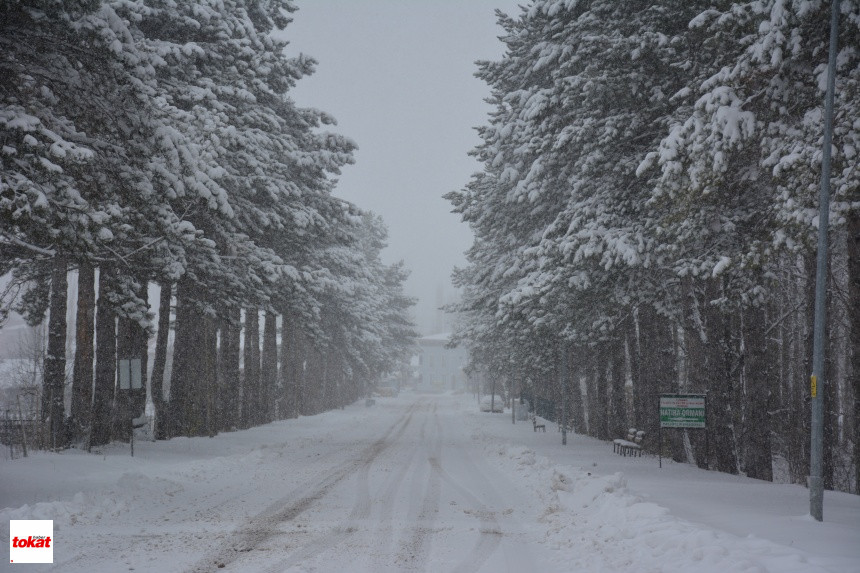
(160, 508)
(630, 515)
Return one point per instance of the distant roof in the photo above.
(440, 340)
(443, 336)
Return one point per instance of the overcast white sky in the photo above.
(398, 76)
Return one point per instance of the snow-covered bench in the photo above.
(632, 446)
(541, 427)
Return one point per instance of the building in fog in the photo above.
(441, 369)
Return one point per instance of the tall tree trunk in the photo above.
(82, 376)
(722, 391)
(228, 370)
(711, 349)
(673, 385)
(269, 367)
(103, 391)
(251, 367)
(142, 342)
(54, 383)
(631, 335)
(313, 386)
(576, 409)
(207, 375)
(192, 382)
(853, 247)
(309, 383)
(193, 379)
(830, 421)
(800, 369)
(156, 385)
(133, 356)
(830, 390)
(617, 422)
(802, 414)
(591, 399)
(656, 369)
(783, 338)
(300, 369)
(698, 376)
(758, 382)
(326, 382)
(290, 357)
(182, 411)
(600, 430)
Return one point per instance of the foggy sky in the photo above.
(398, 76)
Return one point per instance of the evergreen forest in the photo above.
(646, 222)
(152, 146)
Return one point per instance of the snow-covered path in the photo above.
(416, 483)
(401, 486)
(415, 498)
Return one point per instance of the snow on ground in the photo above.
(416, 483)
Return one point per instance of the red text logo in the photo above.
(38, 541)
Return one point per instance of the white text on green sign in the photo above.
(682, 411)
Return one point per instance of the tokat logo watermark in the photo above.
(31, 541)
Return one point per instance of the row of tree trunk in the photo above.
(753, 364)
(223, 375)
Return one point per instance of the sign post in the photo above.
(132, 393)
(681, 411)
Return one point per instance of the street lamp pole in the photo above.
(816, 454)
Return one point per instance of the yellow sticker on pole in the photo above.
(813, 385)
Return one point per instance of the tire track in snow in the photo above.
(361, 510)
(330, 540)
(414, 551)
(520, 559)
(389, 496)
(490, 530)
(264, 525)
(204, 509)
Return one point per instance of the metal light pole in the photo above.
(816, 454)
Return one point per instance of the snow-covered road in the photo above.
(415, 497)
(416, 483)
(401, 486)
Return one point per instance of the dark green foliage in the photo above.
(647, 195)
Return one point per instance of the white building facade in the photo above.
(441, 369)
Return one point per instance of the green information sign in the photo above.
(682, 411)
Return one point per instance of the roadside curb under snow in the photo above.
(598, 524)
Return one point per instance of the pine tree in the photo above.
(54, 385)
(105, 369)
(162, 412)
(82, 376)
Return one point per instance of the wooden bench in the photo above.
(632, 446)
(541, 427)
